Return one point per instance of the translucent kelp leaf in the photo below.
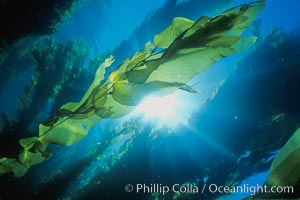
(99, 76)
(66, 131)
(247, 16)
(10, 165)
(28, 158)
(27, 143)
(139, 57)
(284, 170)
(131, 93)
(165, 38)
(200, 23)
(113, 109)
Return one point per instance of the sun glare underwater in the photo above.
(156, 100)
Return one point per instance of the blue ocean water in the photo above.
(225, 135)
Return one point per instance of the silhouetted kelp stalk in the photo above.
(61, 65)
(190, 48)
(106, 155)
(58, 69)
(36, 18)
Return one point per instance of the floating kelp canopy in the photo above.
(188, 49)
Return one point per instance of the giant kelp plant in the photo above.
(201, 43)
